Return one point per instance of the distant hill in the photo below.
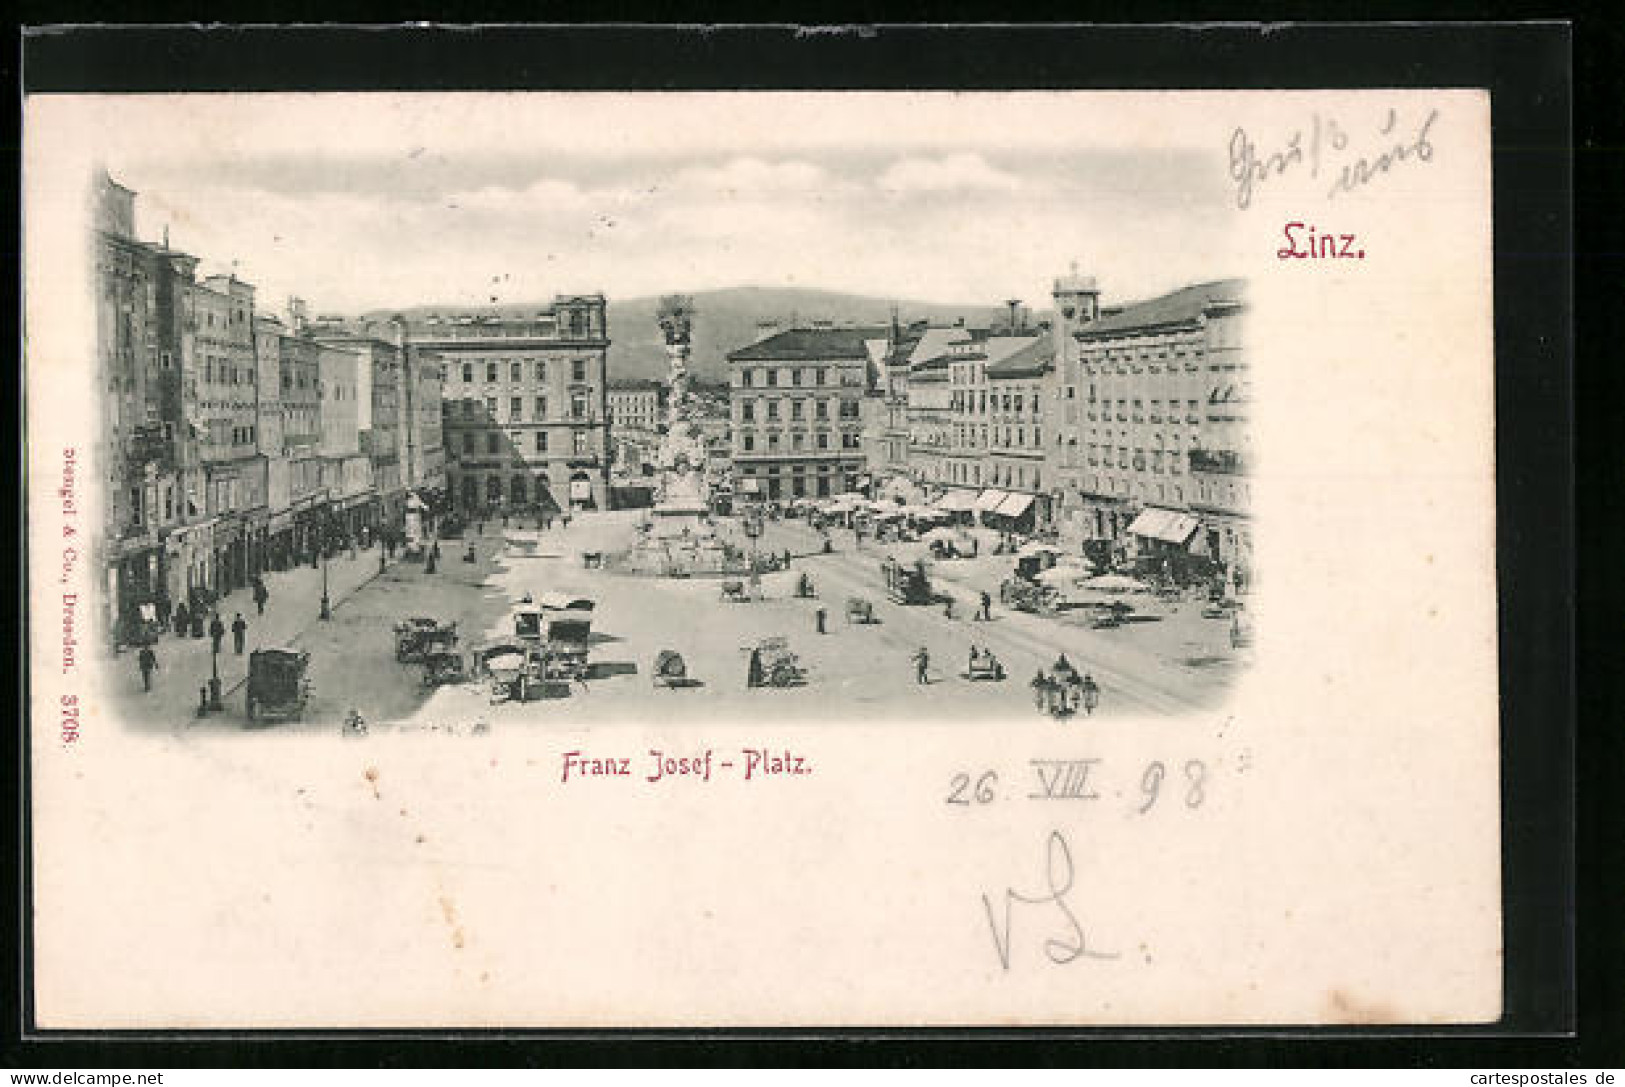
(727, 320)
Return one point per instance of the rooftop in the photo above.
(807, 344)
(1033, 360)
(1179, 307)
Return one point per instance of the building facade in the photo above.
(637, 417)
(797, 399)
(526, 417)
(1015, 451)
(1160, 439)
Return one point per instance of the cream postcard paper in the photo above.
(751, 559)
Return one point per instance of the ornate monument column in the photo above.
(682, 451)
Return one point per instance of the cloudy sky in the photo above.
(370, 201)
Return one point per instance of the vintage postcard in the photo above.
(762, 559)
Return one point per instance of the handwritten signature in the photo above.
(1325, 145)
(1066, 942)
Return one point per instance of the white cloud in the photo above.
(747, 176)
(957, 172)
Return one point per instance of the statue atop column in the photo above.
(683, 452)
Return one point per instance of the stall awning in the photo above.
(580, 489)
(955, 501)
(1014, 505)
(750, 486)
(990, 499)
(1168, 525)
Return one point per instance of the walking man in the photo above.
(987, 607)
(922, 662)
(217, 631)
(148, 662)
(822, 615)
(261, 594)
(239, 628)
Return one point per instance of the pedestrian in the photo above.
(987, 606)
(822, 616)
(753, 676)
(1091, 694)
(261, 594)
(217, 631)
(147, 660)
(183, 618)
(239, 628)
(787, 558)
(948, 608)
(922, 663)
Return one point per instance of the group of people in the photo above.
(1063, 691)
(147, 659)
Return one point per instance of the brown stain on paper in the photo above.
(1342, 1007)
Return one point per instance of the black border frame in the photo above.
(1527, 68)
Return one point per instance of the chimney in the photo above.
(1015, 311)
(297, 315)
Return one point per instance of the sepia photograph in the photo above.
(545, 431)
(759, 559)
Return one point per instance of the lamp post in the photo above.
(327, 604)
(215, 705)
(753, 531)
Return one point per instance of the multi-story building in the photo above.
(1159, 385)
(930, 416)
(294, 525)
(526, 420)
(894, 381)
(156, 540)
(421, 427)
(637, 416)
(226, 367)
(1015, 450)
(380, 406)
(797, 413)
(348, 492)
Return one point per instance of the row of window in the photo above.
(580, 443)
(798, 442)
(580, 408)
(770, 377)
(849, 409)
(516, 370)
(219, 368)
(977, 401)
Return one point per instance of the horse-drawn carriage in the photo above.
(442, 667)
(906, 584)
(417, 637)
(734, 592)
(859, 610)
(566, 637)
(670, 670)
(1023, 595)
(984, 666)
(511, 670)
(775, 664)
(278, 686)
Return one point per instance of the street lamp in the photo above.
(326, 529)
(215, 704)
(753, 531)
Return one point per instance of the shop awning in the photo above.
(1167, 525)
(750, 486)
(1014, 505)
(955, 501)
(990, 499)
(580, 489)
